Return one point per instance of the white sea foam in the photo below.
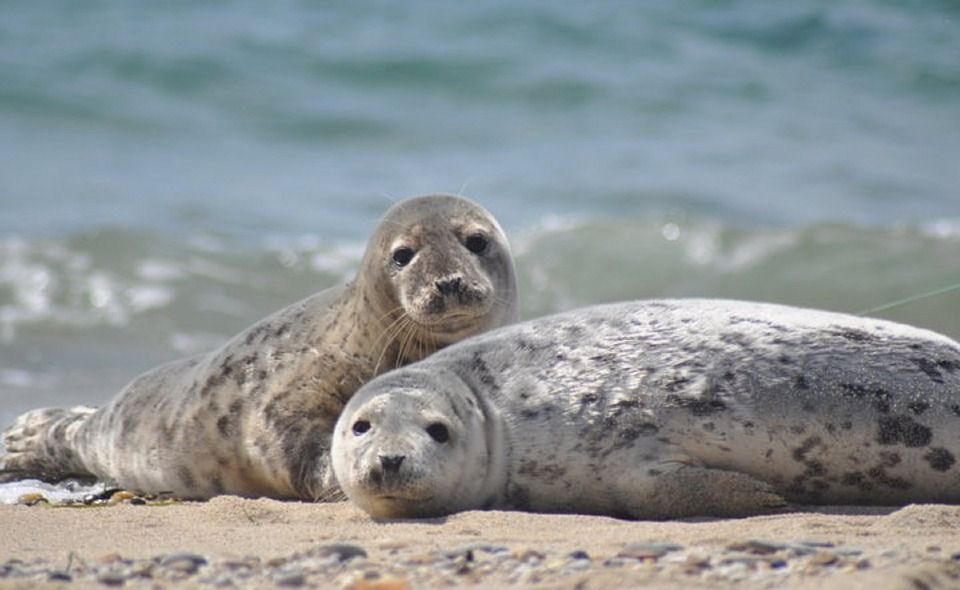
(68, 491)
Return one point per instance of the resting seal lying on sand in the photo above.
(255, 416)
(661, 409)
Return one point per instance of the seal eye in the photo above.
(402, 256)
(360, 426)
(477, 243)
(438, 432)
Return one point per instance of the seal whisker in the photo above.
(389, 337)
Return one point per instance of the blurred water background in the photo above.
(171, 172)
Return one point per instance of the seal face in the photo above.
(417, 450)
(255, 416)
(662, 409)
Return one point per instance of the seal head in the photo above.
(440, 268)
(417, 444)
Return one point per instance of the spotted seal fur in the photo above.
(254, 417)
(661, 409)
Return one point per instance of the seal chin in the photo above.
(397, 506)
(455, 325)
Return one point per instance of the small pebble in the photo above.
(652, 551)
(291, 580)
(59, 576)
(579, 554)
(343, 552)
(757, 547)
(121, 496)
(185, 563)
(111, 579)
(110, 558)
(32, 499)
(385, 583)
(528, 555)
(823, 558)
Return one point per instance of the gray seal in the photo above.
(254, 417)
(661, 409)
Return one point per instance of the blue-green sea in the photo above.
(172, 171)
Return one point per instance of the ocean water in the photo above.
(171, 172)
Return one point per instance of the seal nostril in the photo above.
(391, 463)
(449, 286)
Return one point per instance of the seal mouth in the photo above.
(452, 324)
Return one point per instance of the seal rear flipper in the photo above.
(702, 491)
(40, 444)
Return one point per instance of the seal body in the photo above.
(255, 416)
(661, 409)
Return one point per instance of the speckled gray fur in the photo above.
(254, 417)
(663, 409)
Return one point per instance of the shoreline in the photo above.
(238, 543)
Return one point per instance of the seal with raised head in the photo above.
(255, 416)
(661, 409)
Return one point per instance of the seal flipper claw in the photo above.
(40, 443)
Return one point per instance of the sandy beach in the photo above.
(233, 542)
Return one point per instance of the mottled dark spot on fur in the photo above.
(801, 382)
(916, 346)
(676, 384)
(709, 426)
(748, 424)
(890, 458)
(882, 406)
(653, 472)
(854, 335)
(785, 360)
(846, 425)
(186, 477)
(589, 398)
(856, 479)
(729, 376)
(798, 429)
(800, 453)
(605, 359)
(853, 390)
(929, 368)
(879, 475)
(628, 435)
(699, 407)
(768, 454)
(831, 427)
(903, 430)
(224, 426)
(918, 407)
(529, 414)
(940, 459)
(626, 404)
(482, 370)
(819, 485)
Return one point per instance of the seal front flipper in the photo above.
(702, 491)
(42, 443)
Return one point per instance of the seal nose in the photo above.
(391, 463)
(449, 286)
